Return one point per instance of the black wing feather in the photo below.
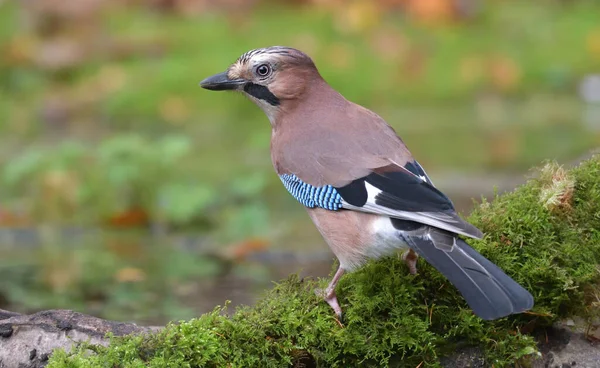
(405, 195)
(402, 191)
(416, 168)
(354, 193)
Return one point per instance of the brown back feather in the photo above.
(325, 139)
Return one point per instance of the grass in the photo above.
(393, 318)
(117, 276)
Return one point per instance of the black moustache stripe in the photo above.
(262, 93)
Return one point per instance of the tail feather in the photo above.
(490, 293)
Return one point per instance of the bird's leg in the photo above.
(410, 258)
(329, 293)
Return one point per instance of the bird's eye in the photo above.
(263, 70)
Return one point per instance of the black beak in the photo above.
(220, 82)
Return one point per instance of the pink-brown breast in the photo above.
(355, 237)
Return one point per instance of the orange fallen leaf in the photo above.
(174, 109)
(245, 248)
(330, 5)
(133, 217)
(431, 11)
(10, 218)
(130, 274)
(504, 73)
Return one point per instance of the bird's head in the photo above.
(272, 77)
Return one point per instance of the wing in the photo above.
(405, 192)
(415, 168)
(359, 155)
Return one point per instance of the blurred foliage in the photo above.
(123, 281)
(102, 123)
(91, 89)
(123, 172)
(126, 180)
(124, 276)
(393, 318)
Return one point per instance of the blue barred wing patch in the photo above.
(310, 196)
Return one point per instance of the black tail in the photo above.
(487, 289)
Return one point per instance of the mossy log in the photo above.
(27, 341)
(545, 234)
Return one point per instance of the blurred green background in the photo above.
(128, 192)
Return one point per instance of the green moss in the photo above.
(391, 317)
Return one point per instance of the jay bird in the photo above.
(361, 186)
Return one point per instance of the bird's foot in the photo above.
(410, 258)
(333, 303)
(331, 299)
(329, 294)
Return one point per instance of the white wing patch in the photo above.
(436, 219)
(372, 192)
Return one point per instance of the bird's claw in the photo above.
(331, 299)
